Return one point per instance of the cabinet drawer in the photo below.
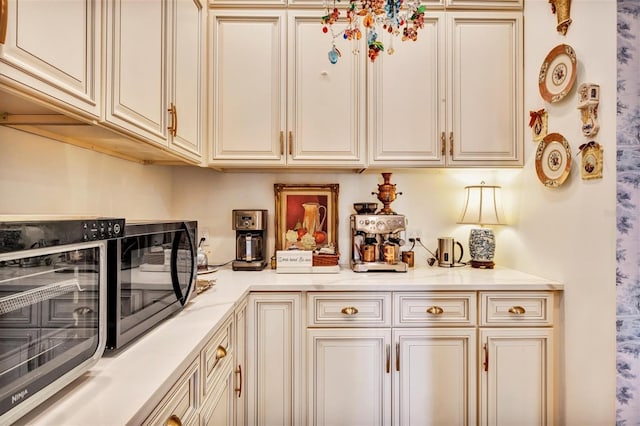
(434, 308)
(519, 309)
(181, 402)
(216, 354)
(349, 309)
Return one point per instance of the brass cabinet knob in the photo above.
(221, 352)
(173, 420)
(349, 310)
(435, 310)
(517, 310)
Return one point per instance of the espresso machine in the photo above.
(251, 235)
(376, 237)
(376, 241)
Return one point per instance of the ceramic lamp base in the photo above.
(482, 264)
(482, 247)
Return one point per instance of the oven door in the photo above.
(52, 321)
(151, 280)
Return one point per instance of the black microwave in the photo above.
(151, 273)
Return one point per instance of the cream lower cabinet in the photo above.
(180, 404)
(275, 395)
(349, 376)
(516, 342)
(434, 380)
(275, 98)
(217, 358)
(365, 369)
(240, 366)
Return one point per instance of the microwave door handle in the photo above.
(174, 264)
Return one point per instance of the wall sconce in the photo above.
(483, 206)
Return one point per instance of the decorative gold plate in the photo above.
(557, 73)
(553, 160)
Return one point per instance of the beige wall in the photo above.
(567, 234)
(40, 176)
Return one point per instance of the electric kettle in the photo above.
(445, 253)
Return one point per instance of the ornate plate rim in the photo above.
(546, 94)
(540, 151)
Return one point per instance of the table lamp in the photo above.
(482, 207)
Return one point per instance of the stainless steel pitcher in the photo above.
(445, 253)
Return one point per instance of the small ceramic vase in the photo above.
(482, 247)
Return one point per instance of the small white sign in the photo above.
(294, 261)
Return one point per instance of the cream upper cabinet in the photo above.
(276, 100)
(52, 50)
(247, 107)
(485, 97)
(326, 102)
(429, 100)
(187, 87)
(407, 104)
(154, 76)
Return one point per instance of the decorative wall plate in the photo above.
(557, 73)
(553, 160)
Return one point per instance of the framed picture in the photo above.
(306, 216)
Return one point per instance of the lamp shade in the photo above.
(483, 205)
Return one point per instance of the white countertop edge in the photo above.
(123, 387)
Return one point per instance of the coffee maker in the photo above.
(251, 234)
(376, 241)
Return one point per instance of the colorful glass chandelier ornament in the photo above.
(395, 17)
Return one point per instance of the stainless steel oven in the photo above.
(151, 274)
(52, 305)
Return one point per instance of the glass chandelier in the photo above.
(395, 17)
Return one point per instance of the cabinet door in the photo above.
(240, 392)
(326, 102)
(485, 67)
(180, 404)
(136, 77)
(274, 374)
(217, 408)
(53, 48)
(247, 54)
(516, 382)
(349, 375)
(435, 381)
(407, 100)
(187, 89)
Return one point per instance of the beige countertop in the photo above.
(123, 387)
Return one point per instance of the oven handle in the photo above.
(174, 264)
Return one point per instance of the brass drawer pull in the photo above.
(173, 420)
(435, 310)
(517, 310)
(349, 310)
(4, 19)
(239, 388)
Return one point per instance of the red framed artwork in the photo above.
(306, 216)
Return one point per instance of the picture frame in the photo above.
(306, 216)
